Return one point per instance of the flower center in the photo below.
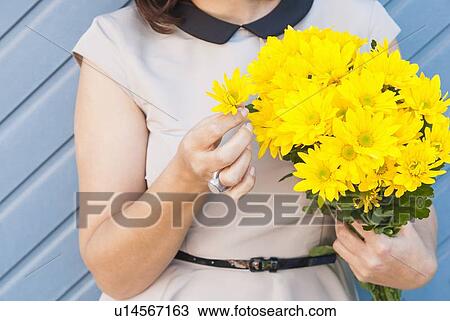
(232, 98)
(425, 105)
(324, 174)
(415, 168)
(342, 110)
(313, 118)
(367, 100)
(367, 200)
(348, 152)
(366, 139)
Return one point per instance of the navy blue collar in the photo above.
(201, 25)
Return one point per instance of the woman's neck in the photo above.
(237, 11)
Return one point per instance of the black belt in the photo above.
(259, 264)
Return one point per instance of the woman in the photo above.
(143, 125)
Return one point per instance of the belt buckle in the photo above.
(261, 264)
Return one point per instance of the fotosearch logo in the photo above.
(216, 210)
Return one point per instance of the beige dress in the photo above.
(167, 76)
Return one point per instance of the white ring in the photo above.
(215, 185)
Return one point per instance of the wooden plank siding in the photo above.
(39, 258)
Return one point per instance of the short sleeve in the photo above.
(382, 26)
(100, 45)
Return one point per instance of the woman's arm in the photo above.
(111, 143)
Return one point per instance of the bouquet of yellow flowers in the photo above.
(367, 135)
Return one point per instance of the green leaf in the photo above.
(309, 195)
(377, 216)
(320, 201)
(251, 108)
(425, 190)
(373, 44)
(321, 250)
(422, 213)
(382, 293)
(345, 216)
(312, 207)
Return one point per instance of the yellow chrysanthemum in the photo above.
(424, 98)
(328, 61)
(417, 165)
(368, 200)
(410, 126)
(397, 190)
(341, 103)
(292, 77)
(353, 165)
(341, 38)
(265, 124)
(319, 175)
(396, 71)
(324, 55)
(308, 115)
(382, 177)
(439, 138)
(374, 125)
(293, 40)
(369, 134)
(271, 57)
(232, 93)
(366, 90)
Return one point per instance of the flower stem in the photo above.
(382, 293)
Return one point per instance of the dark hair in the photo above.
(158, 13)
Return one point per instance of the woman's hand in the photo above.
(199, 156)
(404, 262)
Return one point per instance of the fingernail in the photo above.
(249, 127)
(243, 111)
(252, 171)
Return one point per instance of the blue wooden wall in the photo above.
(39, 259)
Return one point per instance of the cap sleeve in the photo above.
(100, 45)
(382, 25)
